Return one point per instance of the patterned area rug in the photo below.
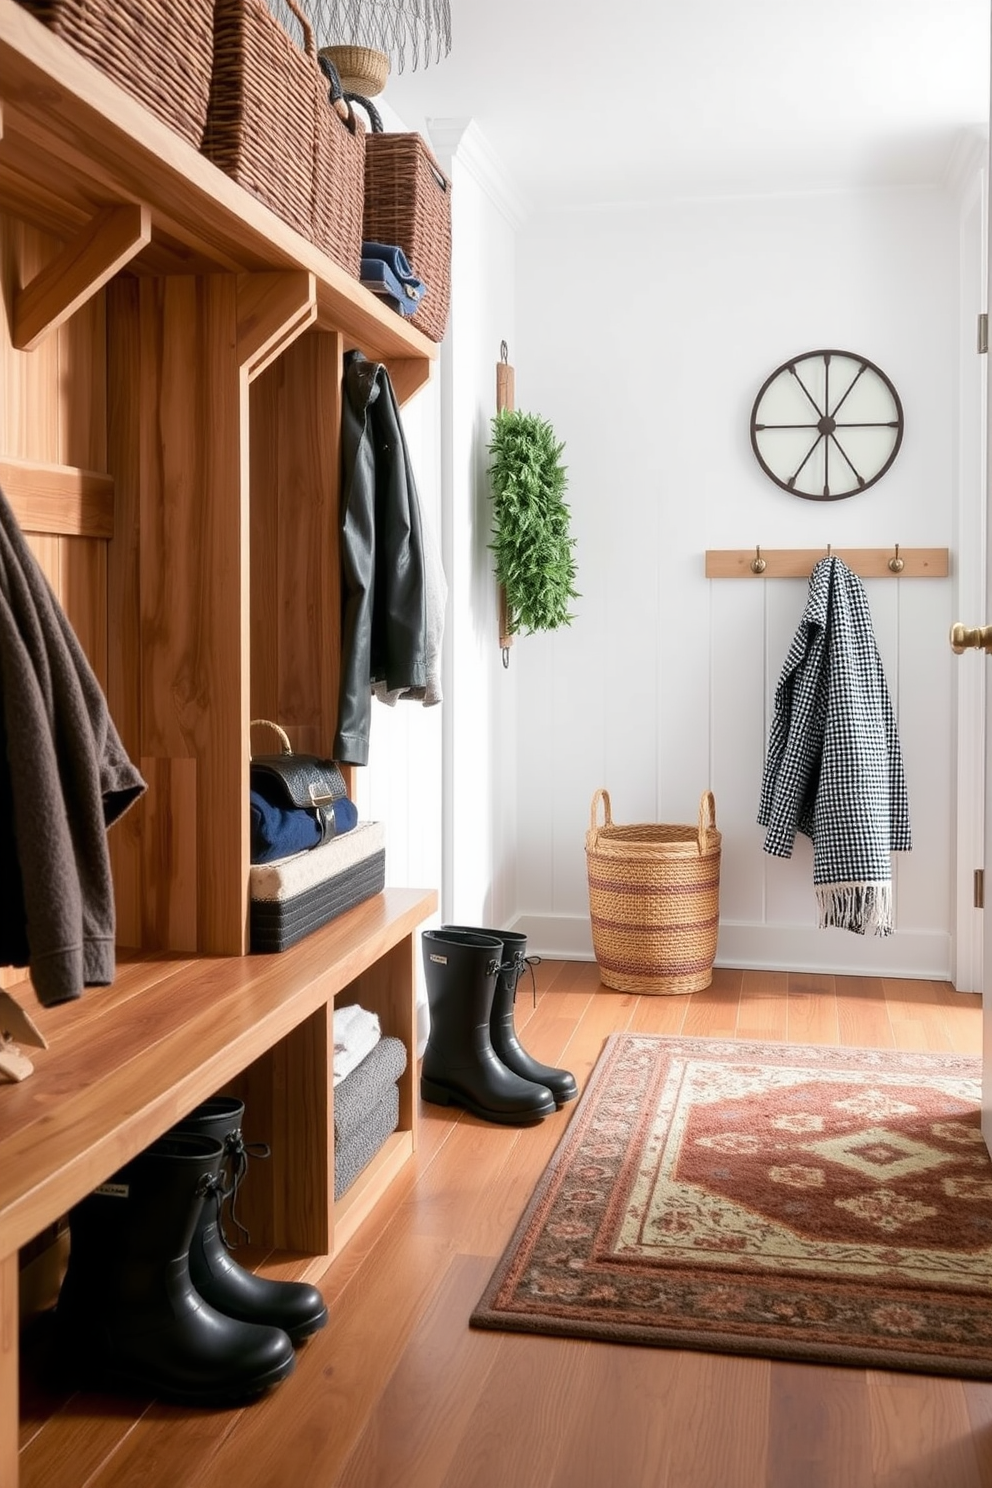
(825, 1204)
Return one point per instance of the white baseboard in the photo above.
(922, 955)
(559, 937)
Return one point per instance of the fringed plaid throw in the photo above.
(833, 768)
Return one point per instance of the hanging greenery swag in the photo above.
(531, 541)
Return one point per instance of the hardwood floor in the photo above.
(398, 1390)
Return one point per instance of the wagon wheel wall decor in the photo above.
(826, 425)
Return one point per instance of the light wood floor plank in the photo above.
(712, 1013)
(863, 1014)
(763, 1010)
(664, 1016)
(978, 1399)
(818, 1428)
(718, 1413)
(76, 1443)
(522, 1424)
(415, 1432)
(920, 1432)
(813, 1016)
(633, 1390)
(916, 1014)
(961, 1013)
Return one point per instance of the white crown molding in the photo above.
(462, 142)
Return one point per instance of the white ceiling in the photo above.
(624, 100)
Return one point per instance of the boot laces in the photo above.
(237, 1152)
(209, 1186)
(516, 964)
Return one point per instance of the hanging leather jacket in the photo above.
(383, 582)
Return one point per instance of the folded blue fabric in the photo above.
(396, 261)
(387, 272)
(380, 279)
(279, 831)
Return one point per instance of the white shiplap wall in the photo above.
(644, 337)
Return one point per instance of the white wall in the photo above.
(644, 336)
(480, 720)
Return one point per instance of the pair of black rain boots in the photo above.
(152, 1300)
(473, 1057)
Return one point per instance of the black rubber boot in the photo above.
(460, 1066)
(506, 1045)
(128, 1316)
(294, 1306)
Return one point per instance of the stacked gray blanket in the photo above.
(366, 1110)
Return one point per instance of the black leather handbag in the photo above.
(304, 782)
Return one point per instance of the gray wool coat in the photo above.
(64, 778)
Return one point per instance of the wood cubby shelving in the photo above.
(170, 403)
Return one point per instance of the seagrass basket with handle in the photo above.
(160, 51)
(408, 204)
(654, 900)
(272, 128)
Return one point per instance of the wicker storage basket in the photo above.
(408, 204)
(271, 128)
(159, 50)
(654, 900)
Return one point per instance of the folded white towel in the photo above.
(356, 1033)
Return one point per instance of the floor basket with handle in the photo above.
(654, 900)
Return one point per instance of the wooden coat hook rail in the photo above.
(798, 563)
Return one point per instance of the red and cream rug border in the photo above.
(592, 1257)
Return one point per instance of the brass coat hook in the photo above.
(896, 564)
(758, 564)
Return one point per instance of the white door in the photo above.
(981, 538)
(973, 565)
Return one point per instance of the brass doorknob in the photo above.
(968, 638)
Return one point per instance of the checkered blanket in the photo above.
(833, 768)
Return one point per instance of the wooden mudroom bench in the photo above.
(127, 1061)
(171, 366)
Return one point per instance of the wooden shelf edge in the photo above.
(131, 156)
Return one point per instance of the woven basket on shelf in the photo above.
(361, 69)
(158, 50)
(271, 128)
(408, 203)
(654, 900)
